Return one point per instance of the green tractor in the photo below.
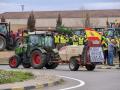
(36, 50)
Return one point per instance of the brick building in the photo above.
(73, 18)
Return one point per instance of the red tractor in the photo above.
(8, 40)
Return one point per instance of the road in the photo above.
(99, 79)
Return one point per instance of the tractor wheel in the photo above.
(10, 46)
(38, 60)
(73, 64)
(14, 61)
(90, 67)
(26, 65)
(51, 65)
(2, 43)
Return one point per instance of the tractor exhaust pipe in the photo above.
(9, 29)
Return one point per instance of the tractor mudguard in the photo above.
(3, 35)
(40, 49)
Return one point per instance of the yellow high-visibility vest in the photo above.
(57, 38)
(81, 41)
(62, 40)
(75, 43)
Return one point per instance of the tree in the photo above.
(59, 21)
(31, 22)
(87, 20)
(64, 30)
(2, 19)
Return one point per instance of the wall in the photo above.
(69, 22)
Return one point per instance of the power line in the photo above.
(22, 8)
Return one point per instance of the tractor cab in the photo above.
(114, 32)
(42, 39)
(3, 28)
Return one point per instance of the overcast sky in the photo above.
(45, 5)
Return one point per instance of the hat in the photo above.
(113, 41)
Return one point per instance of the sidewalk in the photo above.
(107, 67)
(40, 81)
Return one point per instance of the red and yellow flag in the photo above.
(91, 34)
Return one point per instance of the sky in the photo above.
(55, 5)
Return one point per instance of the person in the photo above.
(105, 51)
(119, 55)
(75, 39)
(81, 40)
(111, 46)
(57, 40)
(118, 51)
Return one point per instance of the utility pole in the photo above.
(22, 8)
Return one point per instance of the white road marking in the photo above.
(81, 83)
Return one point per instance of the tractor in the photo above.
(37, 50)
(6, 39)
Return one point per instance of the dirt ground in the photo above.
(4, 56)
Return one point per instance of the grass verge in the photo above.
(14, 76)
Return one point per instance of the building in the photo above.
(73, 18)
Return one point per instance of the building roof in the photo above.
(64, 14)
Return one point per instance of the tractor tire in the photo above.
(10, 47)
(37, 59)
(14, 61)
(26, 65)
(2, 43)
(73, 64)
(51, 65)
(90, 67)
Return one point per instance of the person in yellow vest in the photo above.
(62, 41)
(57, 40)
(75, 39)
(81, 40)
(105, 51)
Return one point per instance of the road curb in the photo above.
(37, 86)
(108, 67)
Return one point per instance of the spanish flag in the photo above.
(91, 34)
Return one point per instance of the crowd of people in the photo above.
(62, 40)
(110, 48)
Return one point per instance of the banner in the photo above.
(96, 54)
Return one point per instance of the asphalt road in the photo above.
(99, 79)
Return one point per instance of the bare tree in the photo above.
(2, 19)
(31, 22)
